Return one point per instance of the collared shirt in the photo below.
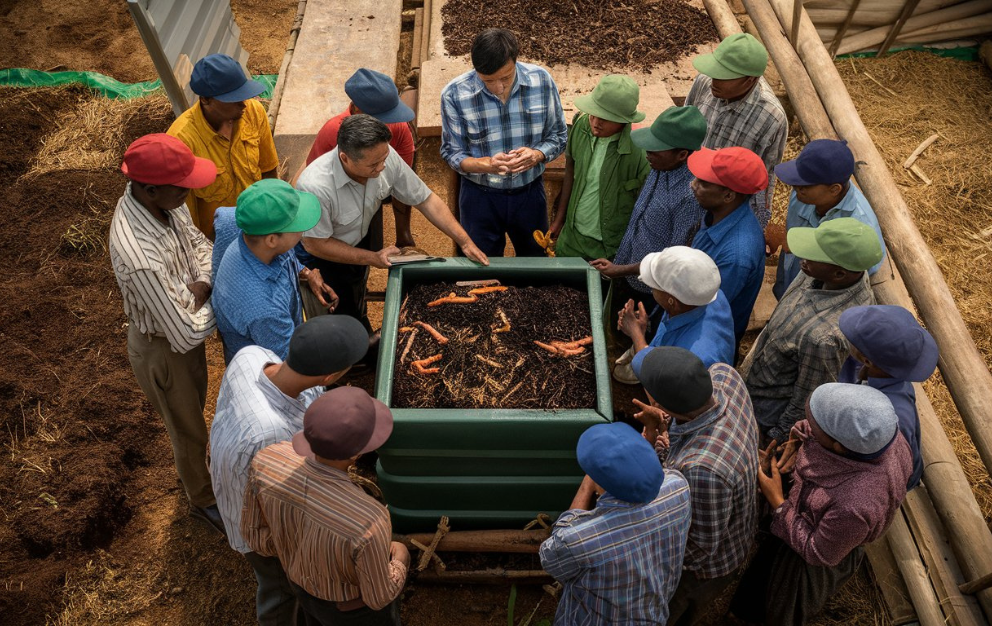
(153, 262)
(252, 414)
(756, 122)
(257, 304)
(476, 123)
(327, 138)
(225, 232)
(666, 214)
(240, 160)
(837, 503)
(330, 536)
(347, 206)
(717, 452)
(706, 331)
(737, 246)
(801, 348)
(608, 173)
(802, 215)
(902, 394)
(620, 562)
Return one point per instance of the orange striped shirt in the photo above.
(332, 538)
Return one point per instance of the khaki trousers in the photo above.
(176, 385)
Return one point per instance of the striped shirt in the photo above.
(717, 452)
(332, 539)
(153, 262)
(252, 414)
(756, 122)
(620, 562)
(475, 123)
(801, 348)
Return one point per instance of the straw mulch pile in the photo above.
(903, 99)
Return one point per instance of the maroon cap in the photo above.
(342, 423)
(737, 169)
(161, 159)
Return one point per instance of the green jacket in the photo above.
(621, 178)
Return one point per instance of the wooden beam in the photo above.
(907, 12)
(875, 36)
(509, 541)
(797, 10)
(977, 585)
(890, 583)
(839, 37)
(908, 559)
(723, 18)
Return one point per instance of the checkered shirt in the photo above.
(756, 122)
(475, 123)
(717, 452)
(620, 562)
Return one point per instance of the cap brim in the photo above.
(644, 139)
(301, 446)
(802, 243)
(926, 364)
(400, 113)
(307, 216)
(700, 165)
(587, 105)
(203, 175)
(383, 427)
(708, 65)
(788, 173)
(250, 89)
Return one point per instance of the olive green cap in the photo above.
(614, 99)
(737, 56)
(272, 206)
(844, 241)
(677, 128)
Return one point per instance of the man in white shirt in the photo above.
(162, 265)
(261, 402)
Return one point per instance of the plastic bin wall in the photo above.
(485, 468)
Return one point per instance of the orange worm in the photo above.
(441, 339)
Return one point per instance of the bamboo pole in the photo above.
(875, 36)
(939, 560)
(958, 29)
(962, 366)
(907, 12)
(723, 18)
(908, 559)
(954, 500)
(510, 541)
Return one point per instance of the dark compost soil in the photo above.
(480, 368)
(73, 423)
(639, 34)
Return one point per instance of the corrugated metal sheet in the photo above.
(178, 33)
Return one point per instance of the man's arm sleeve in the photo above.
(823, 545)
(711, 499)
(557, 559)
(820, 360)
(202, 251)
(171, 307)
(453, 147)
(380, 578)
(273, 331)
(254, 529)
(555, 134)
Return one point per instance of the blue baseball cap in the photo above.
(620, 461)
(822, 162)
(375, 94)
(220, 77)
(891, 338)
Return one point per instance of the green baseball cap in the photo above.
(272, 206)
(845, 242)
(677, 128)
(614, 99)
(737, 56)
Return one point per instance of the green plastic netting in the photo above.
(104, 85)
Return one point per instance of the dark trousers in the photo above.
(350, 282)
(695, 596)
(779, 588)
(488, 215)
(275, 602)
(326, 613)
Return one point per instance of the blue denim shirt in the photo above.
(706, 331)
(737, 246)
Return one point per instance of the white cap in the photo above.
(689, 275)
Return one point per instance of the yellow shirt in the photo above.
(240, 160)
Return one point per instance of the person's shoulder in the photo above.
(279, 454)
(535, 74)
(255, 112)
(463, 84)
(314, 176)
(770, 102)
(186, 130)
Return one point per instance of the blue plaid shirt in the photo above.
(666, 214)
(475, 123)
(620, 562)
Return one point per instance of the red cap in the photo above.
(161, 159)
(737, 169)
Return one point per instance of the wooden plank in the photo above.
(334, 41)
(908, 559)
(657, 87)
(418, 36)
(890, 583)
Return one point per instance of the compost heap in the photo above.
(640, 34)
(477, 347)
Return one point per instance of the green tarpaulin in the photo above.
(104, 85)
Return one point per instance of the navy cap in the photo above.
(822, 162)
(220, 77)
(375, 94)
(620, 461)
(891, 338)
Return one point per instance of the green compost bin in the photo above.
(485, 468)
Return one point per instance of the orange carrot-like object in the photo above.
(453, 299)
(481, 290)
(441, 339)
(422, 364)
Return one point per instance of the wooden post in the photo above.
(963, 367)
(874, 36)
(797, 10)
(723, 18)
(509, 541)
(954, 500)
(908, 559)
(907, 12)
(839, 36)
